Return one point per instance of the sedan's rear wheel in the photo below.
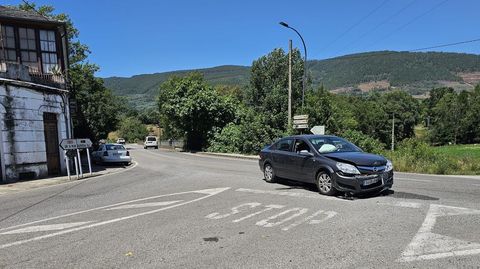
(325, 184)
(269, 173)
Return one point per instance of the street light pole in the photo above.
(304, 60)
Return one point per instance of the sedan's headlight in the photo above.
(348, 168)
(389, 166)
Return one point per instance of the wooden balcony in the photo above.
(16, 71)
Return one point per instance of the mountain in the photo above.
(415, 72)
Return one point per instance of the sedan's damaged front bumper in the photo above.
(363, 183)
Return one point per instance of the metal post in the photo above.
(393, 131)
(67, 163)
(89, 163)
(79, 163)
(284, 24)
(76, 167)
(289, 83)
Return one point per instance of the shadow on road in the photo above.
(291, 185)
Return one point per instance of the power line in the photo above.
(448, 45)
(410, 22)
(380, 24)
(363, 55)
(356, 24)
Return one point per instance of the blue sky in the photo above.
(146, 36)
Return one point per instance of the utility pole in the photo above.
(289, 83)
(393, 131)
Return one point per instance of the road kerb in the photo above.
(49, 182)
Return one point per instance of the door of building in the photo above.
(51, 143)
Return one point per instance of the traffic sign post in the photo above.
(300, 122)
(70, 146)
(318, 130)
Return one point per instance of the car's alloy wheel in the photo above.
(324, 184)
(269, 173)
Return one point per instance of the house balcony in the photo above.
(16, 71)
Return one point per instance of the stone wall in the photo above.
(22, 147)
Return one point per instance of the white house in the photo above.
(34, 106)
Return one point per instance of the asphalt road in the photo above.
(178, 210)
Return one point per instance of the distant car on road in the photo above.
(332, 163)
(112, 153)
(121, 141)
(150, 142)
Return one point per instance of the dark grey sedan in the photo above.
(332, 163)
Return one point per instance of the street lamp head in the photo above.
(284, 24)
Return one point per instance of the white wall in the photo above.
(22, 147)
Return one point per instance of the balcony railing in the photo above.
(32, 74)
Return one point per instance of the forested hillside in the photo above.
(415, 72)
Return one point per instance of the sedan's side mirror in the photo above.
(306, 153)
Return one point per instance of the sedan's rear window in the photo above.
(151, 138)
(115, 147)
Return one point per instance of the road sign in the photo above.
(300, 122)
(318, 130)
(300, 126)
(84, 143)
(300, 117)
(67, 144)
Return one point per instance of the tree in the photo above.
(97, 107)
(268, 89)
(191, 107)
(445, 127)
(132, 130)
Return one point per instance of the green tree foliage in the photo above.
(454, 117)
(132, 130)
(97, 106)
(268, 89)
(191, 107)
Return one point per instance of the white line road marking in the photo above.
(328, 215)
(427, 245)
(144, 205)
(209, 193)
(46, 228)
(292, 194)
(294, 213)
(267, 224)
(234, 210)
(414, 179)
(267, 208)
(402, 204)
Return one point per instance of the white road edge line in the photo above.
(218, 190)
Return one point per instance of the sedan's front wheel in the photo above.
(269, 173)
(325, 184)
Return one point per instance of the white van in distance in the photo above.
(150, 142)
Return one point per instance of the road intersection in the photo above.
(186, 210)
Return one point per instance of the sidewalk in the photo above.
(44, 182)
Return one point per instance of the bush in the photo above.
(249, 135)
(414, 155)
(132, 130)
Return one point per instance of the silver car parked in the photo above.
(112, 153)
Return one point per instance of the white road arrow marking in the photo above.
(427, 245)
(144, 205)
(46, 228)
(208, 192)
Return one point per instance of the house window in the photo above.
(49, 51)
(28, 48)
(9, 51)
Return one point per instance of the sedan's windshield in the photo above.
(332, 144)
